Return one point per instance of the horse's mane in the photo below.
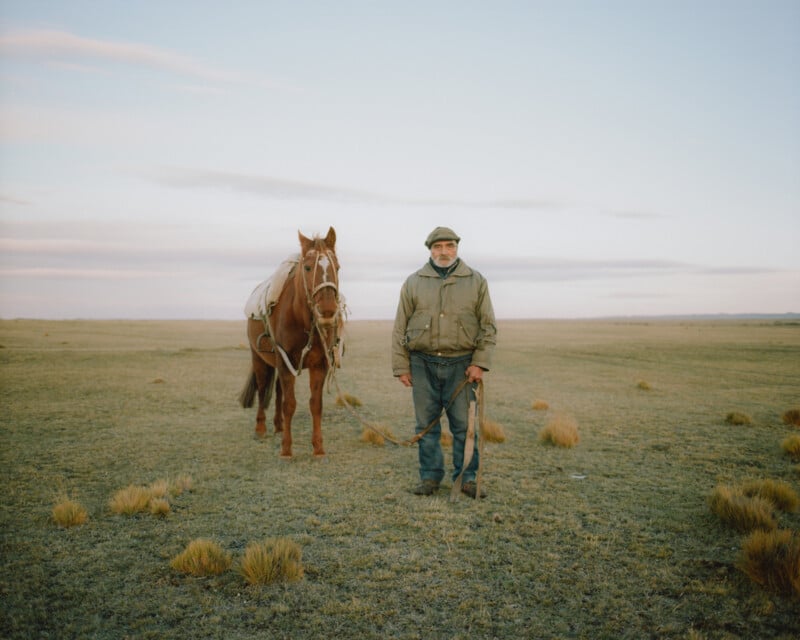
(319, 243)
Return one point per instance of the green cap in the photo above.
(441, 233)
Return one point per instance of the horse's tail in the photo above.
(249, 392)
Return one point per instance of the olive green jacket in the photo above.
(449, 317)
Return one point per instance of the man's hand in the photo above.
(474, 373)
(405, 379)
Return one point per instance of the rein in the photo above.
(476, 407)
(475, 419)
(406, 443)
(315, 318)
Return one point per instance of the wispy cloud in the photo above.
(76, 254)
(543, 269)
(634, 215)
(261, 185)
(280, 188)
(63, 48)
(87, 274)
(4, 197)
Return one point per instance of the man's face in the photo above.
(444, 252)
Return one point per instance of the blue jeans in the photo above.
(435, 379)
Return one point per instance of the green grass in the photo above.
(610, 539)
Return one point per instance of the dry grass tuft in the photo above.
(734, 417)
(779, 493)
(791, 445)
(180, 484)
(644, 385)
(540, 405)
(493, 431)
(742, 513)
(159, 488)
(153, 498)
(772, 559)
(373, 436)
(377, 435)
(561, 431)
(159, 506)
(69, 513)
(158, 381)
(202, 558)
(132, 499)
(347, 398)
(446, 439)
(792, 416)
(275, 559)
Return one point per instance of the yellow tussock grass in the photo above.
(493, 431)
(561, 431)
(132, 499)
(180, 484)
(153, 498)
(274, 560)
(159, 506)
(791, 445)
(373, 436)
(159, 488)
(202, 558)
(742, 513)
(446, 438)
(540, 405)
(735, 417)
(792, 416)
(772, 559)
(347, 398)
(644, 385)
(779, 493)
(69, 513)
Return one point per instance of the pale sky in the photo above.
(157, 159)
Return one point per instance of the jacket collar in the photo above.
(461, 270)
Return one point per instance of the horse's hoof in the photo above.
(284, 458)
(320, 457)
(260, 435)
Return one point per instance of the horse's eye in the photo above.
(307, 268)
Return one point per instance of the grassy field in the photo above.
(613, 538)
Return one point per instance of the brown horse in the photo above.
(301, 330)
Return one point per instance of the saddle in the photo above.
(265, 295)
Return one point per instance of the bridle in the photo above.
(319, 324)
(327, 260)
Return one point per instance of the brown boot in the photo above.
(471, 489)
(426, 488)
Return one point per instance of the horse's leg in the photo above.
(278, 420)
(262, 380)
(316, 382)
(289, 405)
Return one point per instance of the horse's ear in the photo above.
(305, 243)
(330, 239)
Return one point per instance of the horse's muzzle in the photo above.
(331, 321)
(326, 318)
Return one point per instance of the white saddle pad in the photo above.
(266, 294)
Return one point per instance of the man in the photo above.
(444, 331)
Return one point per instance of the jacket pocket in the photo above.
(418, 332)
(468, 330)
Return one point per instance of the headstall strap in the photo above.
(328, 349)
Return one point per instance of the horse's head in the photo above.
(319, 268)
